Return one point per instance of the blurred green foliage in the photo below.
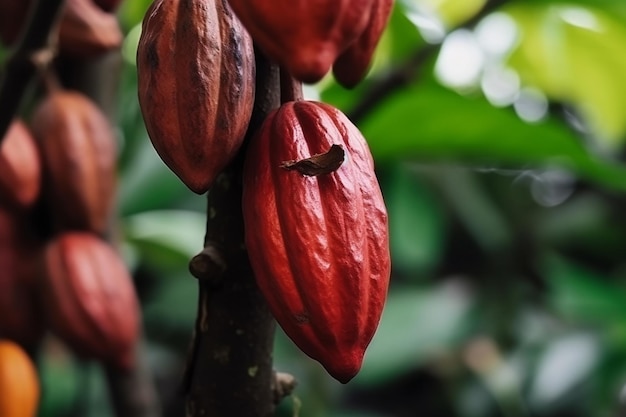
(501, 161)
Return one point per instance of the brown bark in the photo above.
(230, 366)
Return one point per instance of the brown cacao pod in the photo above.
(20, 167)
(304, 36)
(90, 299)
(19, 384)
(196, 72)
(352, 65)
(20, 315)
(78, 147)
(318, 245)
(12, 16)
(88, 30)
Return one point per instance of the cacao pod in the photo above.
(78, 147)
(90, 299)
(318, 244)
(20, 315)
(353, 63)
(304, 36)
(88, 30)
(12, 17)
(20, 167)
(196, 73)
(19, 384)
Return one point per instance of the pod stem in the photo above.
(290, 88)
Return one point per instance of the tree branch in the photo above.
(21, 66)
(230, 367)
(407, 72)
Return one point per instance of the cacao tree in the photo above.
(495, 129)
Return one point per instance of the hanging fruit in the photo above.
(316, 232)
(304, 36)
(78, 147)
(90, 299)
(352, 65)
(19, 384)
(196, 73)
(20, 167)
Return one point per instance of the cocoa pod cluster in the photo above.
(57, 202)
(315, 221)
(59, 274)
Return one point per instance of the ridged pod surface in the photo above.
(304, 36)
(19, 384)
(353, 64)
(318, 245)
(90, 299)
(196, 74)
(78, 147)
(20, 166)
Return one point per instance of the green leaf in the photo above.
(432, 123)
(583, 296)
(416, 222)
(414, 327)
(60, 381)
(167, 238)
(451, 12)
(565, 364)
(575, 55)
(147, 184)
(172, 309)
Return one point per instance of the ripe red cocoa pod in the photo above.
(318, 244)
(89, 298)
(78, 148)
(88, 30)
(12, 16)
(20, 314)
(196, 73)
(304, 36)
(20, 167)
(352, 65)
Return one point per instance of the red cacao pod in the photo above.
(88, 30)
(304, 36)
(20, 318)
(20, 167)
(19, 384)
(78, 147)
(352, 65)
(12, 16)
(318, 245)
(196, 72)
(90, 299)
